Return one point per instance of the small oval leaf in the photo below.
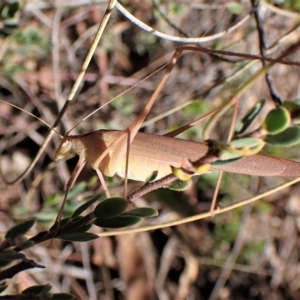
(226, 156)
(152, 177)
(4, 263)
(10, 255)
(234, 7)
(19, 229)
(83, 228)
(247, 120)
(225, 162)
(110, 208)
(9, 9)
(294, 109)
(76, 190)
(179, 185)
(117, 222)
(142, 212)
(26, 244)
(247, 142)
(62, 223)
(78, 236)
(7, 256)
(46, 217)
(63, 296)
(287, 138)
(277, 120)
(99, 197)
(37, 289)
(3, 287)
(241, 147)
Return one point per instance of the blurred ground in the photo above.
(248, 253)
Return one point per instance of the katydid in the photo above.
(151, 153)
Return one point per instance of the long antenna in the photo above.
(32, 115)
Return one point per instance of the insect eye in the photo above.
(65, 143)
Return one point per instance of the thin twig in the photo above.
(262, 48)
(173, 38)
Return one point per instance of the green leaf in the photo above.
(234, 7)
(117, 222)
(152, 177)
(240, 147)
(287, 138)
(78, 236)
(26, 244)
(10, 255)
(277, 120)
(9, 9)
(65, 221)
(179, 185)
(142, 212)
(228, 156)
(4, 263)
(37, 289)
(19, 229)
(244, 124)
(62, 223)
(88, 203)
(294, 109)
(3, 286)
(76, 190)
(63, 296)
(110, 208)
(247, 142)
(225, 162)
(7, 256)
(83, 228)
(46, 216)
(52, 200)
